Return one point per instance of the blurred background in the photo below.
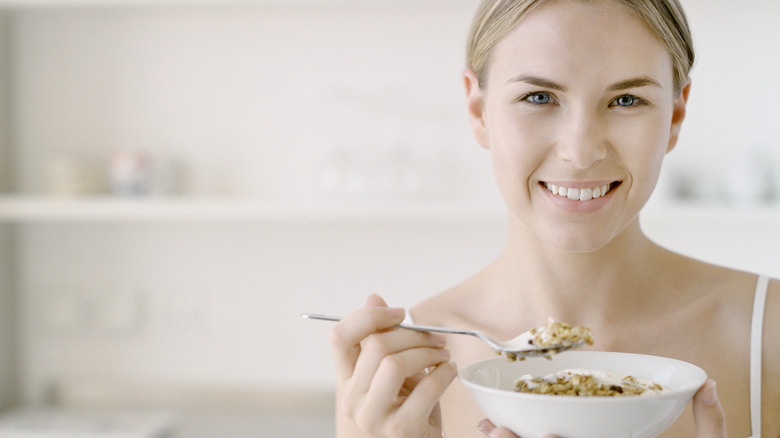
(181, 179)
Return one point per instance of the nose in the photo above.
(582, 142)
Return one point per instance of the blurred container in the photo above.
(135, 173)
(73, 174)
(130, 173)
(750, 179)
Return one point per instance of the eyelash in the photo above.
(637, 101)
(528, 96)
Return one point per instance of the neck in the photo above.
(577, 287)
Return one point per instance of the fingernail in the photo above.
(710, 395)
(485, 427)
(439, 339)
(493, 435)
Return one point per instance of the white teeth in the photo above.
(578, 194)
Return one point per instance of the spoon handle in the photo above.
(416, 327)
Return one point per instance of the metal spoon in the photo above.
(521, 347)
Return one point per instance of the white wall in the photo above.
(221, 305)
(260, 101)
(731, 118)
(255, 101)
(242, 94)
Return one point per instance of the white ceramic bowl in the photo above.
(491, 383)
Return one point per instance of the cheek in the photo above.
(645, 144)
(516, 151)
(517, 144)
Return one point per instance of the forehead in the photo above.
(595, 41)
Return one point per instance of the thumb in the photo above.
(374, 300)
(708, 413)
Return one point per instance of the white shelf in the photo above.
(713, 213)
(42, 209)
(37, 209)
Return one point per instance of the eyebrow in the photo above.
(641, 81)
(538, 81)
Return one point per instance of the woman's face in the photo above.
(579, 101)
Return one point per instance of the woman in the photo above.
(578, 103)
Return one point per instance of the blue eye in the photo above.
(539, 98)
(627, 101)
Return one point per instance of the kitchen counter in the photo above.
(98, 423)
(113, 410)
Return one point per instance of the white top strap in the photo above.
(756, 344)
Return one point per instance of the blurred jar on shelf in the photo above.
(134, 173)
(70, 173)
(750, 179)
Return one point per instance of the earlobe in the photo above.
(476, 107)
(678, 115)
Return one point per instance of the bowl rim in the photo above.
(671, 393)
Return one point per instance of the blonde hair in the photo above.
(665, 19)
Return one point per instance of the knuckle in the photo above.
(428, 388)
(336, 336)
(375, 344)
(392, 364)
(397, 427)
(365, 421)
(359, 415)
(718, 424)
(348, 408)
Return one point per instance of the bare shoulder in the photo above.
(452, 306)
(725, 285)
(442, 308)
(771, 361)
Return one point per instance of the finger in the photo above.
(486, 426)
(501, 432)
(374, 300)
(383, 396)
(708, 412)
(396, 368)
(424, 397)
(376, 347)
(346, 336)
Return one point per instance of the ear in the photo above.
(476, 107)
(678, 115)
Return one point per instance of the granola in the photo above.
(556, 335)
(586, 383)
(560, 333)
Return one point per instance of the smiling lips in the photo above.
(579, 194)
